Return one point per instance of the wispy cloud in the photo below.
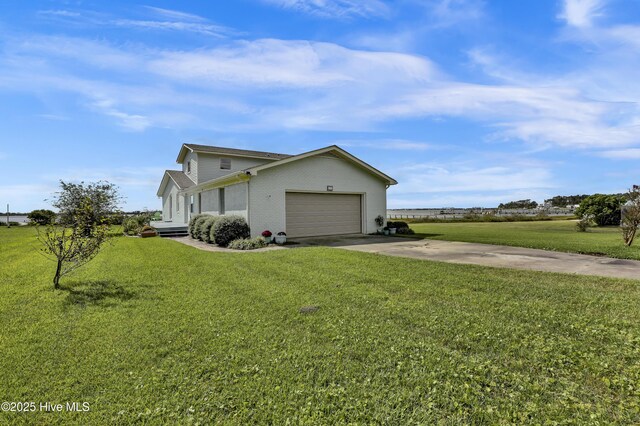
(158, 19)
(581, 13)
(335, 8)
(194, 27)
(60, 13)
(467, 184)
(622, 154)
(294, 84)
(54, 117)
(445, 13)
(387, 144)
(175, 15)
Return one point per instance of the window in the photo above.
(170, 207)
(221, 201)
(199, 202)
(191, 204)
(177, 204)
(225, 163)
(189, 166)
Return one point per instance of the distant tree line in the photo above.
(565, 200)
(520, 204)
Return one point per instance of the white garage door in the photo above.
(311, 215)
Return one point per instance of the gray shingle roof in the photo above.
(233, 151)
(183, 181)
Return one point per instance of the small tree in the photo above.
(75, 244)
(85, 213)
(41, 217)
(103, 198)
(631, 216)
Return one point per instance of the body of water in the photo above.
(17, 218)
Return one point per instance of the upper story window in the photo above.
(225, 163)
(189, 166)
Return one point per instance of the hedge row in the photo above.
(220, 230)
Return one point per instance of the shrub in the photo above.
(148, 228)
(584, 223)
(406, 231)
(398, 225)
(229, 228)
(133, 225)
(41, 217)
(248, 243)
(197, 226)
(205, 229)
(192, 223)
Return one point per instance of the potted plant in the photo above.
(385, 230)
(281, 238)
(148, 231)
(380, 222)
(267, 236)
(392, 227)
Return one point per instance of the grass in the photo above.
(153, 331)
(558, 235)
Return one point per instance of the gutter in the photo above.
(237, 177)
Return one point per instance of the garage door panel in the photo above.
(309, 214)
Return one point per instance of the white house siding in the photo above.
(209, 166)
(267, 190)
(178, 215)
(194, 166)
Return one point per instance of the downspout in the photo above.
(248, 208)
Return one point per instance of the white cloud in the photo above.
(467, 184)
(54, 117)
(273, 63)
(581, 13)
(446, 13)
(175, 15)
(335, 8)
(194, 27)
(60, 13)
(430, 178)
(162, 20)
(387, 144)
(622, 154)
(26, 197)
(292, 84)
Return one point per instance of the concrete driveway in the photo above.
(482, 254)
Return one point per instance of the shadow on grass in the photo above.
(98, 292)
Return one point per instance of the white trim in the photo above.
(226, 180)
(334, 148)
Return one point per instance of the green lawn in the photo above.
(558, 235)
(153, 331)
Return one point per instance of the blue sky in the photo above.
(464, 102)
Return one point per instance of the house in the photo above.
(322, 192)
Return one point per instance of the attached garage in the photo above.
(316, 214)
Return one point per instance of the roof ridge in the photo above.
(228, 150)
